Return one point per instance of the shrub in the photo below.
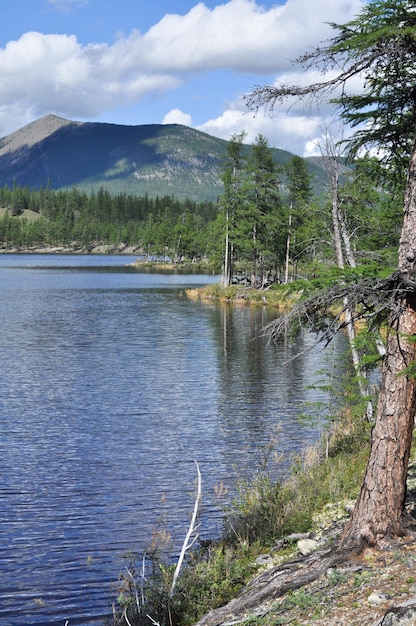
(263, 510)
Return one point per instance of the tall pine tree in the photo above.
(379, 45)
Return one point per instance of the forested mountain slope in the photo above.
(150, 159)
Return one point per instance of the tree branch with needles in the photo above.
(368, 299)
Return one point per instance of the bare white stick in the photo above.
(136, 594)
(143, 576)
(188, 542)
(125, 617)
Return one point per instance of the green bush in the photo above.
(263, 511)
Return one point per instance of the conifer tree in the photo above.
(380, 46)
(300, 194)
(231, 198)
(260, 214)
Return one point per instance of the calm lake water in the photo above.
(111, 380)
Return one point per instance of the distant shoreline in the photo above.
(121, 250)
(97, 249)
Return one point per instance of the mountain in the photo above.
(157, 159)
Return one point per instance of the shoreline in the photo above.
(75, 249)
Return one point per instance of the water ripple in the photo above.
(107, 377)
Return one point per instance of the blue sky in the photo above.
(163, 61)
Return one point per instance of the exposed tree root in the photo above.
(275, 582)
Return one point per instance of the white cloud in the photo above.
(296, 126)
(242, 35)
(51, 73)
(66, 5)
(312, 147)
(55, 73)
(14, 116)
(292, 133)
(176, 116)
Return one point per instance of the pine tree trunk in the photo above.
(378, 514)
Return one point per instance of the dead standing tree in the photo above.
(380, 46)
(331, 152)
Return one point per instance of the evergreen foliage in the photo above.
(379, 48)
(45, 218)
(263, 208)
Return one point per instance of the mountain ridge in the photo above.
(33, 132)
(152, 159)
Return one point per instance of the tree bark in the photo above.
(272, 584)
(378, 516)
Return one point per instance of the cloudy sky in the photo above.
(162, 61)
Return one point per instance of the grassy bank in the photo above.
(321, 481)
(319, 484)
(280, 297)
(189, 266)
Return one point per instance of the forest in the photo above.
(271, 224)
(268, 223)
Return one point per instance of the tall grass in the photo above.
(263, 511)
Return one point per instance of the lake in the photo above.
(112, 381)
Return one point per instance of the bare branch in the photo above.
(188, 541)
(269, 96)
(126, 618)
(368, 299)
(143, 578)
